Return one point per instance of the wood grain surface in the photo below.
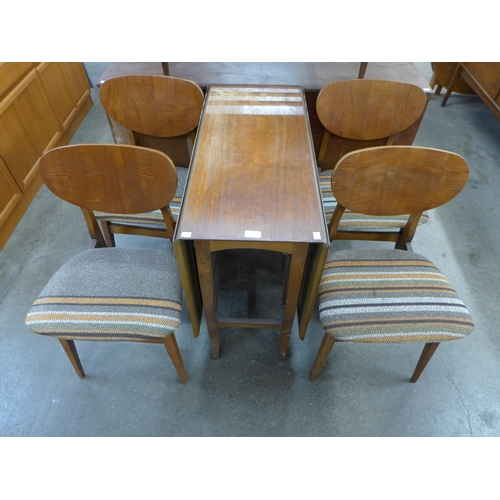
(253, 169)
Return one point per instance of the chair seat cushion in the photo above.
(111, 294)
(359, 222)
(389, 296)
(155, 217)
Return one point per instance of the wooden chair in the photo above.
(111, 294)
(159, 112)
(391, 295)
(364, 113)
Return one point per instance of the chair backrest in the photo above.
(161, 111)
(110, 178)
(366, 113)
(397, 180)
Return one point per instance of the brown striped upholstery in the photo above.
(389, 296)
(359, 222)
(140, 298)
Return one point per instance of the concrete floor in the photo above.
(132, 389)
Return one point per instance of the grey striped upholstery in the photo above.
(155, 217)
(389, 296)
(358, 222)
(111, 294)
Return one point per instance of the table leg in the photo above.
(291, 295)
(207, 285)
(186, 261)
(310, 287)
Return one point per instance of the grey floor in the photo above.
(364, 390)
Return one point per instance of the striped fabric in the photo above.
(155, 217)
(358, 222)
(389, 296)
(111, 294)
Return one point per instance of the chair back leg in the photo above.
(109, 237)
(70, 350)
(426, 355)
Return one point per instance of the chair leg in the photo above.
(426, 355)
(109, 237)
(323, 352)
(70, 349)
(175, 355)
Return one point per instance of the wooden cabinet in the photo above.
(16, 147)
(9, 192)
(11, 73)
(65, 85)
(441, 77)
(38, 111)
(36, 114)
(484, 78)
(487, 75)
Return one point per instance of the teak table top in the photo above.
(253, 171)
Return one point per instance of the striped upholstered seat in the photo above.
(359, 222)
(156, 217)
(389, 296)
(140, 297)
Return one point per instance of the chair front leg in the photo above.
(70, 349)
(428, 351)
(323, 352)
(172, 348)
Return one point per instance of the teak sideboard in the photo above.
(41, 106)
(484, 79)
